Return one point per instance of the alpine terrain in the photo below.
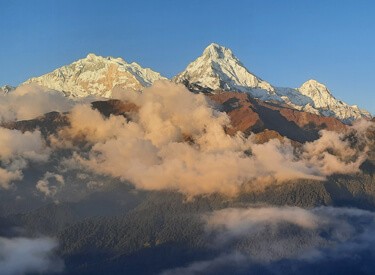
(110, 168)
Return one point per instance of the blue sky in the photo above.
(283, 42)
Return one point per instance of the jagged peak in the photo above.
(314, 86)
(217, 51)
(94, 57)
(313, 83)
(214, 47)
(219, 69)
(136, 65)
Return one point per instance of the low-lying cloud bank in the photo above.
(288, 240)
(17, 149)
(50, 184)
(24, 256)
(31, 100)
(177, 141)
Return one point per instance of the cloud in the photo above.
(362, 125)
(293, 232)
(281, 240)
(50, 184)
(23, 255)
(29, 101)
(332, 153)
(169, 112)
(17, 149)
(177, 141)
(237, 221)
(223, 264)
(263, 232)
(6, 177)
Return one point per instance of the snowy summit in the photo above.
(218, 69)
(97, 75)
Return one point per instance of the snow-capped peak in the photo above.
(327, 104)
(97, 75)
(216, 51)
(91, 56)
(219, 69)
(320, 94)
(313, 88)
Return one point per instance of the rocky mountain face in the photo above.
(249, 115)
(98, 76)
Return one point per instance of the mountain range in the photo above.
(216, 70)
(229, 176)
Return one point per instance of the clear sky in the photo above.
(283, 42)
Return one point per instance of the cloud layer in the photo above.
(23, 256)
(17, 149)
(288, 240)
(50, 184)
(177, 141)
(31, 100)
